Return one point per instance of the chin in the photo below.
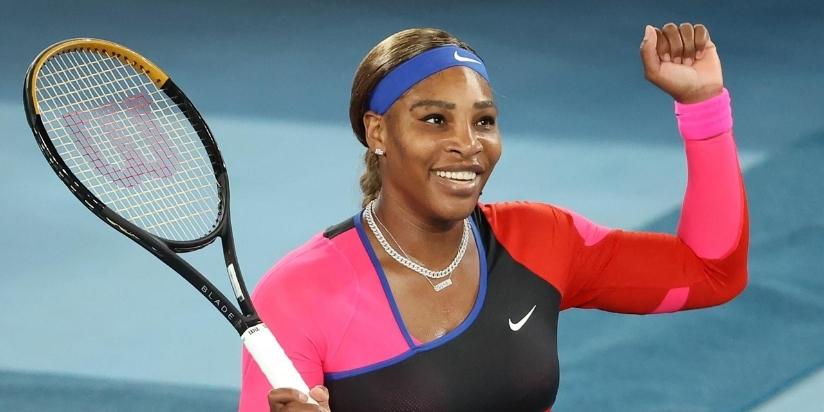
(452, 209)
(451, 200)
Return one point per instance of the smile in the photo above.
(460, 176)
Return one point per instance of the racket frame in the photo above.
(164, 249)
(255, 335)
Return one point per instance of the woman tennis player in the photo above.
(428, 300)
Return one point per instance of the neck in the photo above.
(431, 241)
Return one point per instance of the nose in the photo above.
(466, 142)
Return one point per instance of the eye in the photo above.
(436, 119)
(486, 121)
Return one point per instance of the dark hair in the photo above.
(384, 57)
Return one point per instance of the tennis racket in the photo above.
(135, 151)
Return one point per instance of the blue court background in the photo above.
(92, 322)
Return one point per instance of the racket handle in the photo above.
(272, 360)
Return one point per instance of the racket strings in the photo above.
(129, 143)
(137, 207)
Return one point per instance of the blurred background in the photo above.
(92, 322)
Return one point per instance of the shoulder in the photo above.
(525, 220)
(314, 269)
(522, 214)
(309, 296)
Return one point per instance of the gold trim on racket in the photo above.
(122, 53)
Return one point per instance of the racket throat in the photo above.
(239, 291)
(219, 301)
(233, 270)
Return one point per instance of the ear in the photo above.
(375, 127)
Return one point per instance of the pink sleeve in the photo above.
(285, 303)
(712, 214)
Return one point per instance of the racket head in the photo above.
(128, 143)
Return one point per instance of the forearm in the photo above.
(713, 214)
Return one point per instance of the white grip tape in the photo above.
(272, 360)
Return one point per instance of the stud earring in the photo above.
(379, 152)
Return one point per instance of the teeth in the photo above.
(466, 176)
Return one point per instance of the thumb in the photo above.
(321, 395)
(649, 54)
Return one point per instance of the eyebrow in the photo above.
(437, 103)
(484, 104)
(448, 105)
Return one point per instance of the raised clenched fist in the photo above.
(682, 61)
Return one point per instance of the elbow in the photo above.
(732, 273)
(731, 286)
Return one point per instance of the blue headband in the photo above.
(412, 71)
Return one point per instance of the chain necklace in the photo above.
(446, 282)
(407, 262)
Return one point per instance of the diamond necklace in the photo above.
(409, 263)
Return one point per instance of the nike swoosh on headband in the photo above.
(460, 58)
(409, 73)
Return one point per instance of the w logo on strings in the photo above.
(126, 130)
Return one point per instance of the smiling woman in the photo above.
(440, 142)
(428, 299)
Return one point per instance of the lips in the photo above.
(462, 167)
(459, 180)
